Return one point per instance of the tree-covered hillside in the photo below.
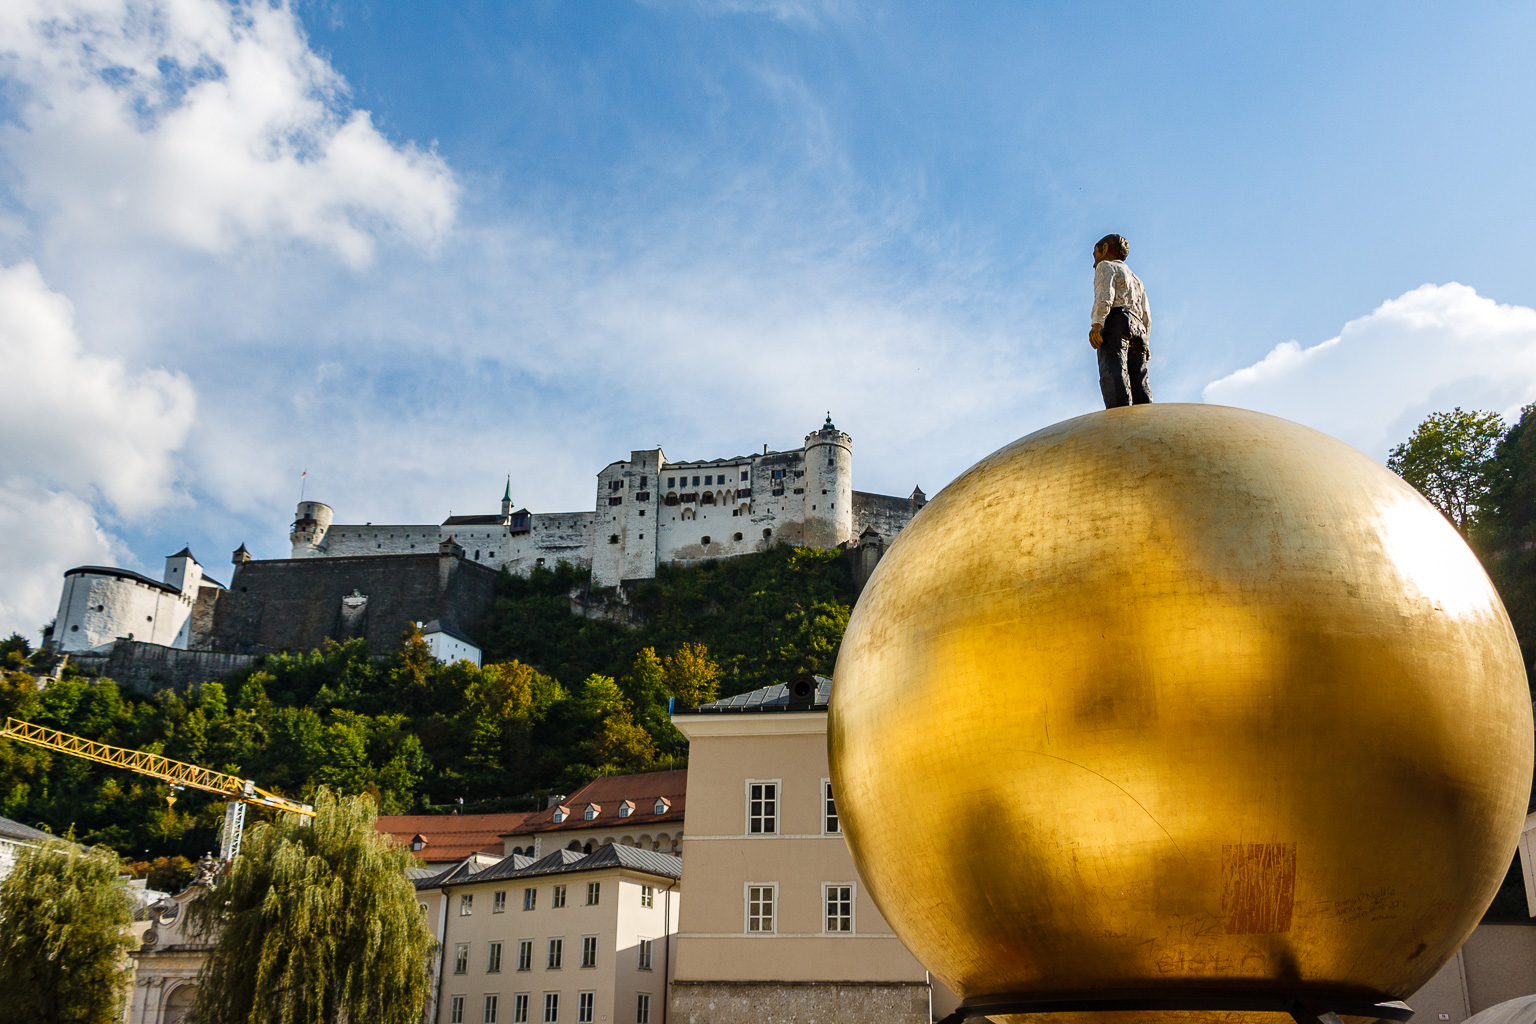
(561, 699)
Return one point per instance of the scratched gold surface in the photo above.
(1174, 697)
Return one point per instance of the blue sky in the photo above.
(413, 248)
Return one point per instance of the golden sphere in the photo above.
(1179, 698)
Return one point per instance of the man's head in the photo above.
(1111, 247)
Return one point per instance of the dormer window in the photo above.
(417, 842)
(663, 805)
(592, 811)
(626, 808)
(561, 813)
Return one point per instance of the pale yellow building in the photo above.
(778, 926)
(571, 938)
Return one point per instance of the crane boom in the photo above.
(177, 773)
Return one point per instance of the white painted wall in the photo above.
(97, 609)
(449, 649)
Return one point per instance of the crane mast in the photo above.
(237, 792)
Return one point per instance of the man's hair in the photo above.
(1118, 247)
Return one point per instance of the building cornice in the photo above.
(779, 723)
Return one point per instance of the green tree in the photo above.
(692, 675)
(1448, 458)
(316, 923)
(63, 936)
(1506, 537)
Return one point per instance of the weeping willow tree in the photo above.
(316, 924)
(64, 936)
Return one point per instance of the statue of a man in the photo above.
(1122, 323)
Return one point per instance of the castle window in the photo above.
(777, 491)
(695, 481)
(707, 499)
(477, 554)
(101, 607)
(736, 537)
(743, 474)
(642, 513)
(671, 481)
(643, 481)
(767, 533)
(709, 479)
(799, 490)
(643, 496)
(613, 538)
(735, 511)
(704, 541)
(74, 629)
(616, 501)
(778, 474)
(671, 499)
(149, 618)
(616, 485)
(813, 507)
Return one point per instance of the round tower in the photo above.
(310, 523)
(828, 487)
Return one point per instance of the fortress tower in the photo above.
(310, 523)
(828, 487)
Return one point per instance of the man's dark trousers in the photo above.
(1122, 363)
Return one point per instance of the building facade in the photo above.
(643, 811)
(100, 605)
(648, 511)
(570, 938)
(778, 927)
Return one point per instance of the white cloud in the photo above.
(43, 533)
(206, 122)
(82, 421)
(1433, 348)
(75, 427)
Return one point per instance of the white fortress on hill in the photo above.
(649, 511)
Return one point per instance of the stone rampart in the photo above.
(296, 604)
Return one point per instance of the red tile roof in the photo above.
(609, 792)
(451, 836)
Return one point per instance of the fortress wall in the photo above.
(296, 604)
(683, 527)
(95, 610)
(147, 668)
(889, 515)
(381, 540)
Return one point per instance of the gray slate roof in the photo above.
(562, 862)
(769, 698)
(18, 832)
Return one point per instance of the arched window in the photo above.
(708, 498)
(575, 845)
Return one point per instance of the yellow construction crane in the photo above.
(237, 792)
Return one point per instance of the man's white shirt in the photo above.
(1115, 285)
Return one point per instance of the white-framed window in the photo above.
(591, 812)
(594, 890)
(762, 807)
(662, 805)
(558, 900)
(647, 895)
(520, 1008)
(493, 958)
(645, 954)
(530, 898)
(589, 951)
(643, 1008)
(455, 1010)
(837, 902)
(551, 1007)
(499, 902)
(586, 1002)
(830, 826)
(555, 954)
(762, 897)
(466, 904)
(492, 1005)
(461, 958)
(525, 954)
